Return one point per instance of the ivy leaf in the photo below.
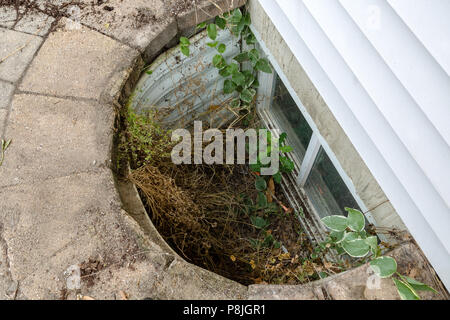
(238, 78)
(259, 222)
(285, 149)
(253, 55)
(373, 243)
(356, 248)
(241, 57)
(185, 41)
(277, 177)
(149, 72)
(250, 39)
(236, 17)
(221, 48)
(418, 286)
(255, 167)
(384, 266)
(262, 200)
(263, 65)
(201, 25)
(283, 137)
(219, 61)
(233, 68)
(337, 237)
(228, 86)
(236, 103)
(221, 22)
(247, 95)
(224, 72)
(355, 220)
(335, 223)
(405, 291)
(185, 50)
(260, 184)
(212, 31)
(212, 44)
(349, 236)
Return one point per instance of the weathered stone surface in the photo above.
(77, 63)
(3, 114)
(205, 10)
(16, 51)
(182, 280)
(142, 24)
(53, 225)
(6, 90)
(34, 23)
(285, 292)
(55, 137)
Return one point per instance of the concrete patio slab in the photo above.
(35, 23)
(77, 63)
(141, 24)
(55, 137)
(16, 52)
(52, 225)
(6, 91)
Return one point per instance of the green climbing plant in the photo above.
(348, 236)
(243, 82)
(5, 145)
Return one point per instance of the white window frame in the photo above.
(301, 174)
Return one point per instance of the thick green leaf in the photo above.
(277, 177)
(373, 243)
(337, 237)
(201, 25)
(228, 86)
(259, 222)
(185, 41)
(241, 57)
(233, 68)
(263, 65)
(212, 44)
(221, 48)
(283, 137)
(221, 22)
(247, 95)
(236, 103)
(335, 223)
(250, 39)
(262, 200)
(149, 72)
(238, 78)
(384, 266)
(405, 291)
(212, 31)
(253, 55)
(260, 184)
(224, 72)
(219, 61)
(349, 236)
(355, 220)
(285, 149)
(356, 248)
(236, 17)
(185, 50)
(418, 286)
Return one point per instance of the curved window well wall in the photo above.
(177, 90)
(184, 89)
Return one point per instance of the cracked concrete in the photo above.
(60, 211)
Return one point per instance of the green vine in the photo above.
(244, 82)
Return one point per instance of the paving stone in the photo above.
(142, 24)
(77, 63)
(53, 137)
(6, 91)
(3, 115)
(53, 225)
(34, 23)
(18, 49)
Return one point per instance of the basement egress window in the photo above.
(237, 235)
(325, 188)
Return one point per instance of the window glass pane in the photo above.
(290, 119)
(326, 189)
